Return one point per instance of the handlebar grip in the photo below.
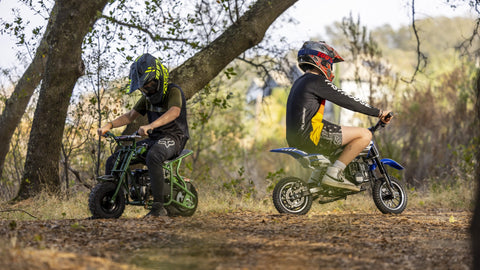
(388, 116)
(150, 131)
(107, 134)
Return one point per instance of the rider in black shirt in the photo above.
(165, 106)
(306, 128)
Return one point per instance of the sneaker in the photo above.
(157, 211)
(334, 177)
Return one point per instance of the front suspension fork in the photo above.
(384, 173)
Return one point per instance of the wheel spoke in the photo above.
(390, 200)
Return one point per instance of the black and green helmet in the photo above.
(145, 69)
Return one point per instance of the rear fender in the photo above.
(292, 151)
(307, 160)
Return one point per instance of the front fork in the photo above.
(121, 167)
(374, 153)
(384, 173)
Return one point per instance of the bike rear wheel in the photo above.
(289, 196)
(181, 196)
(385, 201)
(99, 201)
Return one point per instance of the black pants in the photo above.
(158, 151)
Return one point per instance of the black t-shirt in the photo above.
(306, 104)
(177, 129)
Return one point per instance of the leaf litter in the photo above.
(242, 240)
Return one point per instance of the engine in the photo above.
(357, 171)
(139, 185)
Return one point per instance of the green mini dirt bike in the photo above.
(125, 186)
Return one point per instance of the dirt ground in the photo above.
(243, 240)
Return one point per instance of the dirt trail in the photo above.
(243, 240)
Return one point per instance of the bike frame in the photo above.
(127, 153)
(176, 179)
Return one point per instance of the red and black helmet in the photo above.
(320, 55)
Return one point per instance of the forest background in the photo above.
(433, 134)
(236, 76)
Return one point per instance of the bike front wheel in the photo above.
(100, 201)
(387, 202)
(291, 196)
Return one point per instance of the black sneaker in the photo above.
(157, 211)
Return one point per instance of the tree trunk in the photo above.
(475, 227)
(64, 66)
(245, 33)
(16, 104)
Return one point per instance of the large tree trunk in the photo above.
(16, 104)
(475, 228)
(63, 67)
(245, 33)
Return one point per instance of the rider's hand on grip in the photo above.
(385, 118)
(102, 132)
(145, 130)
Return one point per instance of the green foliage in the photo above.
(438, 143)
(272, 178)
(240, 186)
(227, 137)
(432, 134)
(433, 129)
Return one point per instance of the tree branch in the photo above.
(79, 179)
(463, 47)
(421, 57)
(154, 37)
(260, 66)
(18, 210)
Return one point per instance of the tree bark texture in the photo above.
(16, 104)
(245, 33)
(64, 66)
(475, 227)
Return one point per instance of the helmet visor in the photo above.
(150, 88)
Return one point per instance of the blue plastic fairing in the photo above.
(390, 162)
(292, 151)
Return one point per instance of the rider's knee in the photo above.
(366, 134)
(155, 157)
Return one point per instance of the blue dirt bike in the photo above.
(293, 195)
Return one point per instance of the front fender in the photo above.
(390, 162)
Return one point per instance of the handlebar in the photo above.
(122, 137)
(380, 122)
(134, 136)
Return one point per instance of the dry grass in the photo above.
(213, 199)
